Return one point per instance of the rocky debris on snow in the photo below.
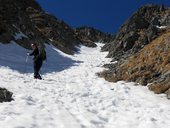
(28, 18)
(142, 50)
(5, 95)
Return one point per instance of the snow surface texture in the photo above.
(73, 96)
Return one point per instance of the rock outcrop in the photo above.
(89, 35)
(25, 21)
(5, 95)
(142, 49)
(139, 30)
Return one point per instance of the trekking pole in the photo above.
(26, 60)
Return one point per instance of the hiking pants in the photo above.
(37, 66)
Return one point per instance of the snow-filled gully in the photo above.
(77, 98)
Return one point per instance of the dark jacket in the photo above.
(35, 53)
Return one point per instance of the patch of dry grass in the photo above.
(148, 65)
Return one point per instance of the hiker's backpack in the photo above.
(42, 53)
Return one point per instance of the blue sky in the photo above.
(105, 15)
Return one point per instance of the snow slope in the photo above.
(15, 57)
(72, 96)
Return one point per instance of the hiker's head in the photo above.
(33, 45)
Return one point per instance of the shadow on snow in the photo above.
(14, 57)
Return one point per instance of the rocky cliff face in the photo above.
(139, 30)
(23, 21)
(142, 48)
